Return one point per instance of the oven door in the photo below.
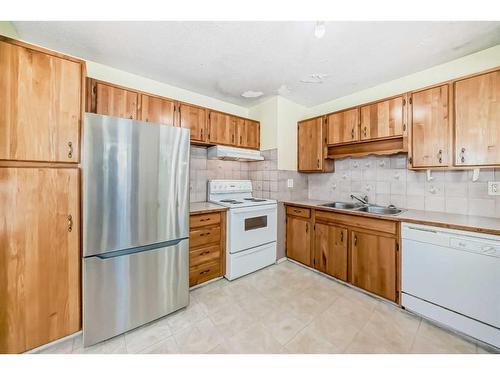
(251, 226)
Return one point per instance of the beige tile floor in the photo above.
(284, 308)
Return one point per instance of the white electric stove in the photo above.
(251, 226)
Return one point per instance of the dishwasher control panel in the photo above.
(484, 248)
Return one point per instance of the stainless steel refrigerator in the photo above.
(135, 224)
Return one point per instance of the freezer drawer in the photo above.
(125, 291)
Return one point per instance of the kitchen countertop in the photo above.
(205, 207)
(473, 223)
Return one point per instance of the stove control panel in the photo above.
(229, 186)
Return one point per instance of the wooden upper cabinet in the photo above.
(40, 105)
(248, 133)
(298, 240)
(194, 118)
(311, 138)
(330, 250)
(343, 126)
(373, 264)
(382, 119)
(40, 256)
(477, 120)
(430, 128)
(114, 101)
(222, 128)
(157, 110)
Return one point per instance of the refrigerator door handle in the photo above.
(140, 249)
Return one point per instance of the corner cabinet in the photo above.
(41, 104)
(477, 120)
(357, 249)
(312, 149)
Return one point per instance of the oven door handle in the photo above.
(262, 208)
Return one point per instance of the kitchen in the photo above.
(169, 209)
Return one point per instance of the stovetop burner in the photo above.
(232, 201)
(255, 199)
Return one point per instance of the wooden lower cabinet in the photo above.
(360, 250)
(330, 250)
(298, 239)
(207, 246)
(40, 257)
(373, 263)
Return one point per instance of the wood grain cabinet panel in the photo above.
(477, 120)
(312, 149)
(40, 105)
(157, 110)
(343, 126)
(195, 119)
(298, 240)
(382, 119)
(373, 263)
(430, 127)
(39, 257)
(248, 134)
(115, 101)
(222, 128)
(330, 250)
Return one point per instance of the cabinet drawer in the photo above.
(203, 272)
(298, 211)
(380, 225)
(204, 255)
(202, 220)
(204, 236)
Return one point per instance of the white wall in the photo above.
(476, 62)
(123, 78)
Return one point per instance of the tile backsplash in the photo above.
(267, 181)
(385, 180)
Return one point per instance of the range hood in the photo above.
(234, 153)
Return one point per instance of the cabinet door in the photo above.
(298, 240)
(373, 263)
(221, 129)
(430, 127)
(248, 134)
(477, 120)
(40, 256)
(330, 248)
(115, 101)
(382, 119)
(157, 110)
(194, 118)
(343, 126)
(310, 145)
(40, 105)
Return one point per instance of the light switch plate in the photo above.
(493, 187)
(289, 182)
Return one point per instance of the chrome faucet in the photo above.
(363, 200)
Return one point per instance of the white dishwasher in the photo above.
(453, 277)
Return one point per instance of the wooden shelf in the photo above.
(386, 146)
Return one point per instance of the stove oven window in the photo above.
(255, 222)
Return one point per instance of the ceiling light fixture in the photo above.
(320, 29)
(314, 78)
(252, 94)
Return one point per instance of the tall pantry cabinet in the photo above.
(41, 109)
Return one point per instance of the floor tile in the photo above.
(166, 346)
(308, 342)
(282, 325)
(432, 339)
(62, 347)
(185, 317)
(147, 335)
(199, 338)
(231, 319)
(116, 345)
(255, 339)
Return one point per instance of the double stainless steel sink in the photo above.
(373, 209)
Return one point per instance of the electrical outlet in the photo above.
(493, 187)
(289, 182)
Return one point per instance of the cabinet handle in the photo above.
(307, 227)
(404, 127)
(462, 155)
(70, 150)
(147, 120)
(201, 133)
(205, 253)
(70, 223)
(341, 236)
(207, 219)
(364, 131)
(205, 234)
(130, 117)
(204, 272)
(355, 240)
(318, 163)
(241, 139)
(352, 133)
(440, 156)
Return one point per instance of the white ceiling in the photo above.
(224, 59)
